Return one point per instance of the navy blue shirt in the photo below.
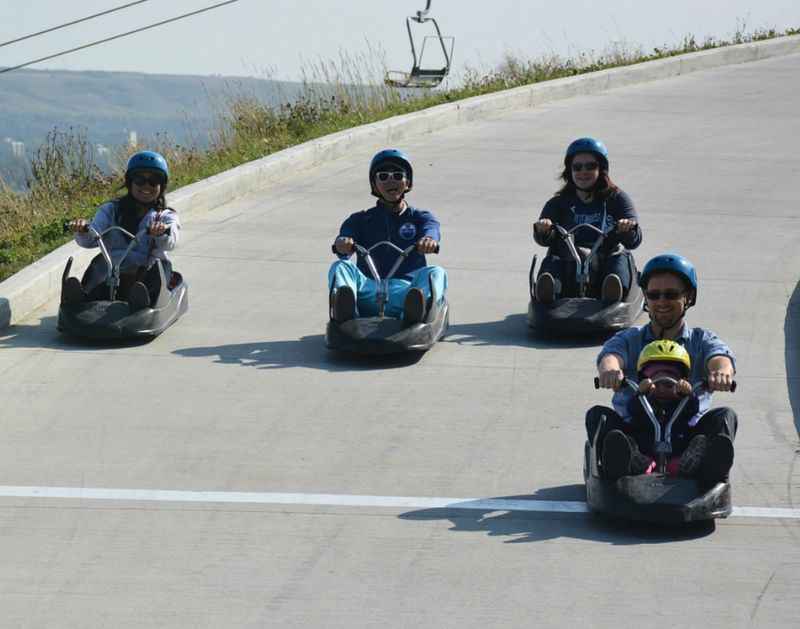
(568, 211)
(380, 223)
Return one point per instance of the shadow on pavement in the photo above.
(307, 351)
(530, 526)
(44, 335)
(791, 330)
(514, 330)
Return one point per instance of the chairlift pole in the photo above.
(424, 12)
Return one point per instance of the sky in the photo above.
(283, 39)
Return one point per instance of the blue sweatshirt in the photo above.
(380, 223)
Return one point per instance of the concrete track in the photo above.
(242, 396)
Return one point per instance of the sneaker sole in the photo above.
(718, 459)
(414, 307)
(616, 455)
(344, 304)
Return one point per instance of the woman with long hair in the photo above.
(589, 197)
(141, 211)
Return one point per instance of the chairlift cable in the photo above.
(113, 37)
(78, 21)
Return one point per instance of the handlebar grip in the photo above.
(733, 386)
(596, 382)
(68, 229)
(437, 248)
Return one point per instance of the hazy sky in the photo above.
(277, 38)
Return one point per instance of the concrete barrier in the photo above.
(35, 285)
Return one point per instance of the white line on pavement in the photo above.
(338, 500)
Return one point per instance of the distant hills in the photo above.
(110, 105)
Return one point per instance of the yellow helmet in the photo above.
(664, 351)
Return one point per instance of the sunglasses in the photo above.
(579, 166)
(397, 175)
(669, 294)
(141, 180)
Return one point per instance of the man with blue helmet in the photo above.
(669, 283)
(142, 211)
(353, 291)
(589, 197)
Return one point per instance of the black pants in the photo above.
(716, 421)
(149, 277)
(563, 271)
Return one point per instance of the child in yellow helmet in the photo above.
(631, 452)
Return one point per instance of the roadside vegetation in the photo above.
(64, 182)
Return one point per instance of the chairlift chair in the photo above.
(423, 77)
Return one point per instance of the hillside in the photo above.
(108, 105)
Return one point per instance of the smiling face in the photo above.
(389, 183)
(667, 299)
(146, 185)
(585, 170)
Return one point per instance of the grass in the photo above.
(64, 183)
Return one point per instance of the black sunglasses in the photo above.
(397, 175)
(579, 166)
(141, 180)
(669, 294)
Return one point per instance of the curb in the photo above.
(35, 285)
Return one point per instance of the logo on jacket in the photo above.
(407, 231)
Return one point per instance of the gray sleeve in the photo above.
(103, 219)
(169, 240)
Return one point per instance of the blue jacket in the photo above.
(701, 344)
(380, 223)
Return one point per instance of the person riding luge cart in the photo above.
(586, 283)
(662, 454)
(390, 301)
(129, 288)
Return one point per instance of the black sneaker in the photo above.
(138, 297)
(344, 304)
(611, 291)
(414, 307)
(718, 460)
(72, 291)
(617, 455)
(692, 458)
(640, 463)
(545, 289)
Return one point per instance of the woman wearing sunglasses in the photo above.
(589, 197)
(352, 289)
(669, 282)
(142, 211)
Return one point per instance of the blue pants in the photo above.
(346, 273)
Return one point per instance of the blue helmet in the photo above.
(147, 159)
(671, 263)
(390, 155)
(586, 145)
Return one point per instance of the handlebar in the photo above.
(564, 233)
(403, 252)
(98, 235)
(697, 387)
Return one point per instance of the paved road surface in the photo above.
(241, 396)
